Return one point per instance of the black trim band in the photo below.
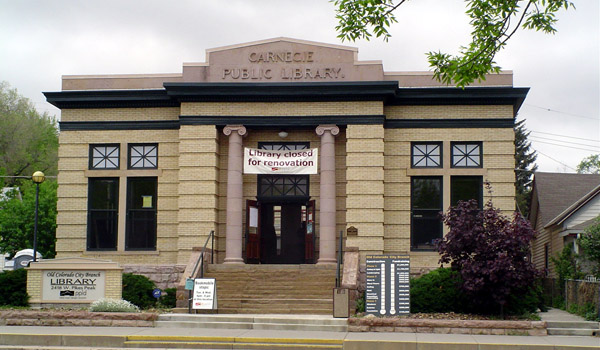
(288, 121)
(283, 121)
(273, 92)
(448, 123)
(110, 99)
(128, 125)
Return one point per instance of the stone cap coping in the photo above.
(74, 264)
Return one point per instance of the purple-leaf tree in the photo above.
(490, 251)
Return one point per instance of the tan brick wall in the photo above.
(199, 154)
(372, 171)
(498, 165)
(114, 284)
(73, 189)
(449, 112)
(119, 114)
(365, 187)
(282, 108)
(34, 286)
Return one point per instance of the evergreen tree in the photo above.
(524, 166)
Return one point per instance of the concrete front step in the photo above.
(573, 331)
(573, 324)
(263, 322)
(576, 328)
(272, 289)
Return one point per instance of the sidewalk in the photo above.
(19, 337)
(559, 315)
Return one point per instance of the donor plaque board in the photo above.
(388, 286)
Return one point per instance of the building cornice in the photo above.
(387, 92)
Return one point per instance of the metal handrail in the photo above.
(200, 261)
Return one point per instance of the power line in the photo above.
(573, 143)
(555, 111)
(558, 161)
(571, 147)
(559, 135)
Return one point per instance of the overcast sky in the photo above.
(42, 40)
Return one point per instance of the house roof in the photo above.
(559, 194)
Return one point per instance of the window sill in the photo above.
(123, 172)
(120, 252)
(446, 171)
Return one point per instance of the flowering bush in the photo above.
(113, 305)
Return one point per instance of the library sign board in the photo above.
(388, 286)
(72, 281)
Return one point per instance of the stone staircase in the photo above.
(577, 328)
(273, 289)
(262, 322)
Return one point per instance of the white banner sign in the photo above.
(299, 162)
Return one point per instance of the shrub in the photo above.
(13, 288)
(590, 244)
(169, 299)
(113, 305)
(565, 265)
(437, 291)
(361, 303)
(490, 251)
(526, 300)
(137, 289)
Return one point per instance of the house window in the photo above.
(464, 188)
(141, 213)
(426, 205)
(467, 155)
(426, 155)
(104, 156)
(143, 156)
(103, 209)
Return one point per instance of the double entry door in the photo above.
(280, 232)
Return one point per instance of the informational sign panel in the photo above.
(299, 162)
(205, 294)
(388, 285)
(73, 285)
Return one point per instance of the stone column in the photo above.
(233, 238)
(327, 197)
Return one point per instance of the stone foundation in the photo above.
(408, 325)
(165, 276)
(76, 318)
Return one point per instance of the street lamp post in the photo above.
(38, 177)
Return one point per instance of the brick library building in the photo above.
(282, 148)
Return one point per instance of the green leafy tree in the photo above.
(589, 165)
(494, 22)
(28, 139)
(590, 244)
(565, 264)
(17, 220)
(524, 166)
